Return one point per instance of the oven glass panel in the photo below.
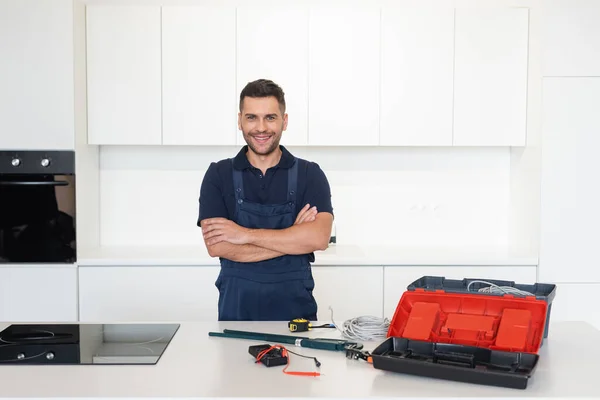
(37, 207)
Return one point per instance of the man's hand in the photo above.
(307, 214)
(216, 230)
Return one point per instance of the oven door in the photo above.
(37, 212)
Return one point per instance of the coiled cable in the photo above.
(495, 289)
(363, 328)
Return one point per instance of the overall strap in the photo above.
(238, 184)
(292, 182)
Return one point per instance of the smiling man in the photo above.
(263, 213)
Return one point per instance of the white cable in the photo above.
(495, 289)
(363, 328)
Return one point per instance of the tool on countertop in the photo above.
(304, 325)
(300, 341)
(358, 354)
(276, 355)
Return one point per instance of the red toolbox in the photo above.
(466, 337)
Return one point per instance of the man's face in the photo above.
(262, 124)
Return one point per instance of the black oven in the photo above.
(37, 207)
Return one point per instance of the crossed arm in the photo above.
(224, 238)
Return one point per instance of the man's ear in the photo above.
(285, 121)
(240, 121)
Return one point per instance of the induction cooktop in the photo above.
(91, 344)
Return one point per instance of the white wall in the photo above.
(428, 197)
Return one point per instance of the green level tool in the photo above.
(319, 343)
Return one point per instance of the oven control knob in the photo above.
(15, 162)
(50, 356)
(20, 356)
(45, 162)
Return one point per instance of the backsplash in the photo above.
(411, 196)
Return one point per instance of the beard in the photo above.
(262, 149)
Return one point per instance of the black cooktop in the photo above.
(121, 344)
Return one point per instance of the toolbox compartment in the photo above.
(455, 362)
(489, 340)
(541, 291)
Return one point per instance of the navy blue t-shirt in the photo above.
(217, 197)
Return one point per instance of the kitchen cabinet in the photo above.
(490, 76)
(272, 43)
(36, 75)
(569, 214)
(148, 293)
(198, 75)
(343, 83)
(571, 38)
(396, 279)
(417, 61)
(124, 74)
(38, 293)
(351, 291)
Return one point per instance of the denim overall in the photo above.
(279, 289)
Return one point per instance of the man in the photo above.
(263, 213)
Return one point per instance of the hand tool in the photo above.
(318, 343)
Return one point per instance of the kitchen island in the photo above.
(196, 365)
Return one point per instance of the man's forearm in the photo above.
(242, 252)
(297, 239)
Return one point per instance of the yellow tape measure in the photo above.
(299, 325)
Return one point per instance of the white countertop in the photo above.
(334, 255)
(196, 365)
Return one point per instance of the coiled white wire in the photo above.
(495, 289)
(363, 328)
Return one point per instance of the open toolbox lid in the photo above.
(505, 323)
(465, 337)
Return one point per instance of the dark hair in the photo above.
(263, 88)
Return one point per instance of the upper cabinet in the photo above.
(272, 43)
(417, 57)
(490, 77)
(36, 75)
(352, 75)
(571, 38)
(198, 75)
(343, 76)
(124, 74)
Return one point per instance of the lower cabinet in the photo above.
(32, 293)
(148, 293)
(351, 291)
(396, 279)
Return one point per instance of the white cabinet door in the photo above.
(396, 279)
(417, 61)
(31, 293)
(571, 38)
(124, 74)
(36, 75)
(569, 195)
(272, 43)
(490, 78)
(198, 61)
(343, 83)
(146, 293)
(351, 291)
